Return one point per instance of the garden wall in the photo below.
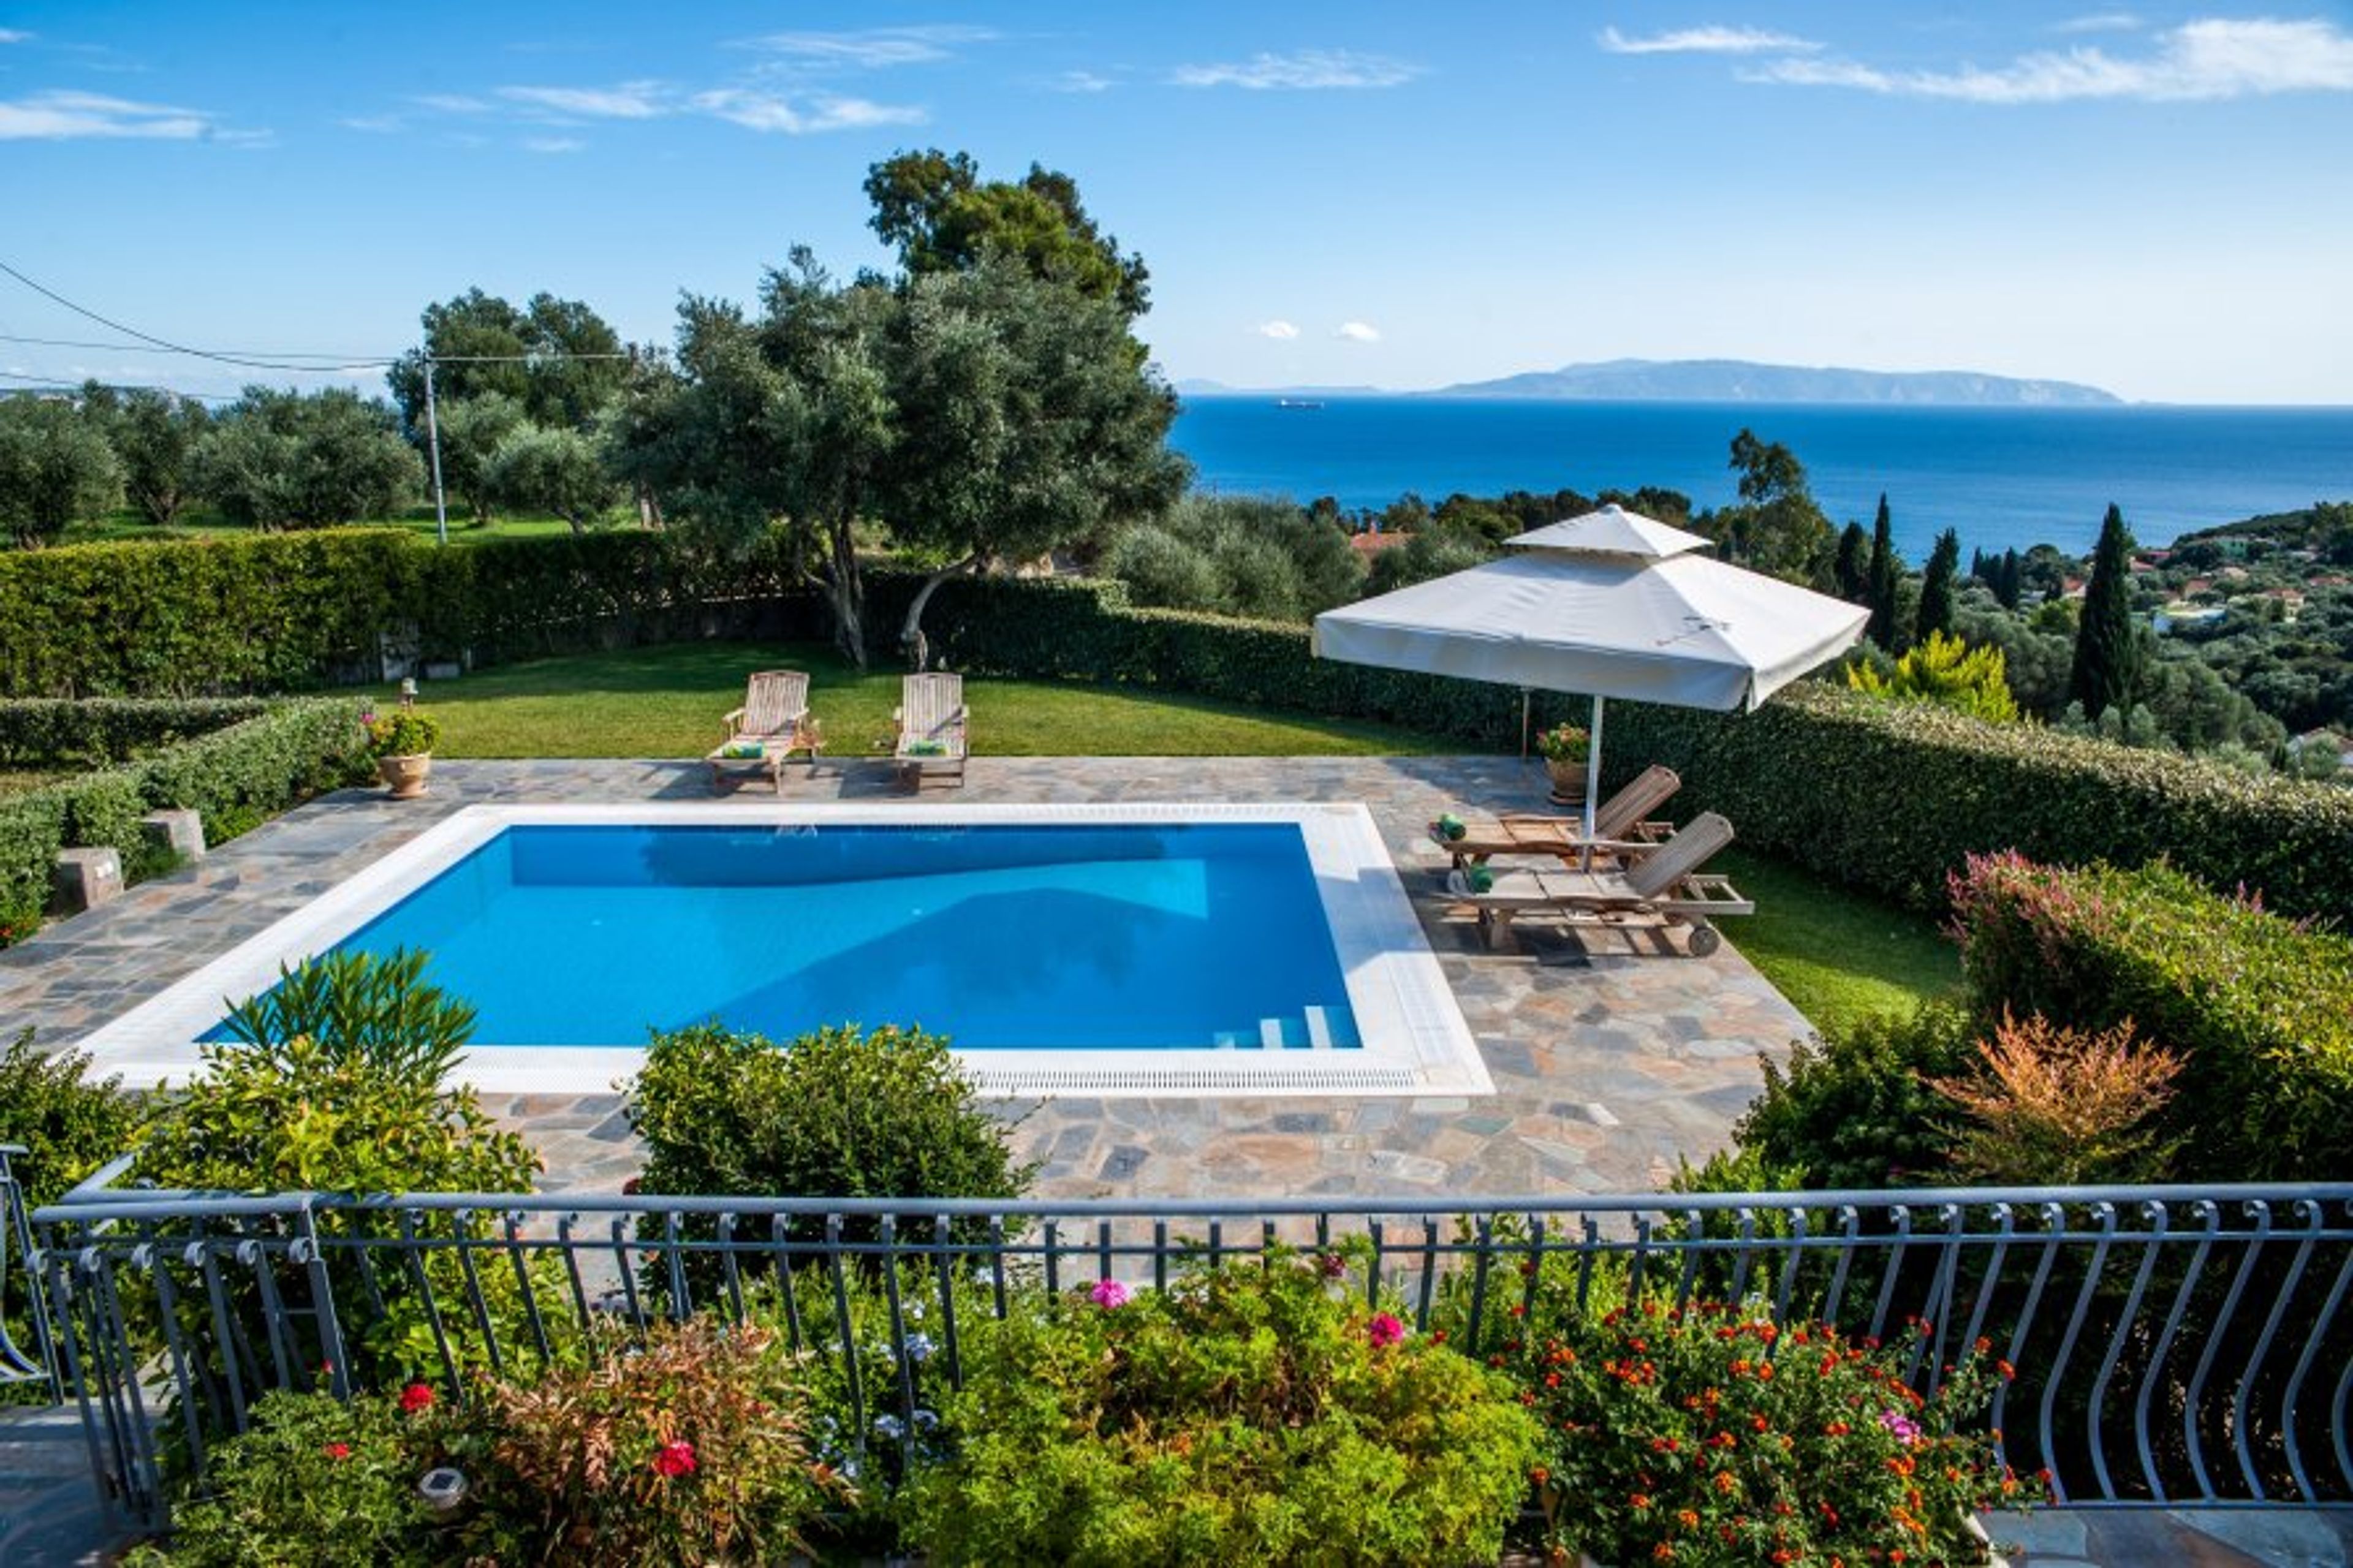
(1879, 795)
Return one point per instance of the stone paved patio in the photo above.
(1607, 1066)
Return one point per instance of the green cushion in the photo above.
(744, 751)
(927, 748)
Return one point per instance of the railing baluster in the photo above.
(2126, 1321)
(2301, 1259)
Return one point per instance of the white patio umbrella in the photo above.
(1613, 604)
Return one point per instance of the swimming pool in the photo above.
(1099, 948)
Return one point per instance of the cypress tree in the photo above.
(2106, 672)
(1880, 591)
(1936, 612)
(1852, 569)
(2009, 583)
(1979, 569)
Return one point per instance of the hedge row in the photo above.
(38, 731)
(2256, 1005)
(232, 777)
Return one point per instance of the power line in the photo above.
(83, 343)
(45, 382)
(154, 342)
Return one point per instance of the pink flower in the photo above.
(417, 1396)
(1906, 1430)
(338, 1450)
(1333, 1264)
(1109, 1293)
(1385, 1330)
(674, 1459)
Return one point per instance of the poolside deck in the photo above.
(1608, 1067)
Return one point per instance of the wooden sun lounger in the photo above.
(931, 724)
(774, 718)
(1662, 889)
(1620, 829)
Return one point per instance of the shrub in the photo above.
(1247, 1415)
(403, 732)
(839, 1113)
(361, 1007)
(2055, 1106)
(692, 1446)
(1854, 1107)
(68, 1124)
(2255, 1003)
(39, 731)
(1711, 1437)
(1947, 671)
(313, 1483)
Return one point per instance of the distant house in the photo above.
(2074, 588)
(2328, 739)
(2176, 616)
(1372, 543)
(2197, 586)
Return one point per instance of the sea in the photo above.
(2004, 477)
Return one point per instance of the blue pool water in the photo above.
(1048, 937)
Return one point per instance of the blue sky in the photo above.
(2158, 200)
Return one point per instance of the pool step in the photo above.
(1316, 1030)
(1319, 1029)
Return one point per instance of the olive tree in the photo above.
(56, 467)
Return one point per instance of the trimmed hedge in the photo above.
(2257, 1005)
(231, 777)
(1894, 796)
(40, 730)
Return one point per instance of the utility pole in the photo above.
(433, 445)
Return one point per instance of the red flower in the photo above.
(1384, 1329)
(338, 1450)
(674, 1459)
(417, 1396)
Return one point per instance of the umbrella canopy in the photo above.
(1611, 602)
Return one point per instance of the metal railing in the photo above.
(2173, 1346)
(25, 1354)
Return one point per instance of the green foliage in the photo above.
(1935, 616)
(1777, 527)
(287, 460)
(470, 430)
(1247, 1415)
(535, 468)
(1254, 558)
(1854, 1107)
(1884, 571)
(2255, 1003)
(155, 436)
(315, 1483)
(68, 1124)
(1713, 1438)
(36, 732)
(55, 467)
(1850, 569)
(690, 1447)
(1893, 797)
(1435, 550)
(1564, 742)
(1942, 669)
(359, 1006)
(843, 1112)
(935, 209)
(2060, 1107)
(2108, 652)
(403, 732)
(556, 359)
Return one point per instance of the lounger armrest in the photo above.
(899, 716)
(1706, 892)
(734, 720)
(1653, 832)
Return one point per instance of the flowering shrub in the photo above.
(691, 1448)
(1245, 1414)
(1563, 743)
(403, 732)
(1713, 1437)
(2068, 1106)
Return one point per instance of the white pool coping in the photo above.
(1413, 1038)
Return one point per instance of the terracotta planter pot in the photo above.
(406, 776)
(1568, 782)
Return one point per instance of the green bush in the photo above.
(1253, 1414)
(70, 1124)
(2256, 1004)
(842, 1112)
(43, 731)
(1896, 797)
(403, 732)
(1713, 1437)
(1855, 1107)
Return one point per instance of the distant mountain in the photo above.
(1738, 380)
(1194, 386)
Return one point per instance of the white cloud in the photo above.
(553, 144)
(11, 36)
(68, 116)
(2209, 60)
(629, 100)
(771, 111)
(1080, 81)
(1282, 331)
(1359, 332)
(870, 48)
(454, 103)
(1709, 40)
(376, 124)
(2103, 22)
(1305, 69)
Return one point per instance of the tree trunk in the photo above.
(845, 592)
(650, 516)
(911, 633)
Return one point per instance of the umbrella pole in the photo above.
(1593, 768)
(1523, 724)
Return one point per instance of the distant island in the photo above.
(1728, 381)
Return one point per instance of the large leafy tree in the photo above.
(554, 357)
(470, 430)
(1886, 569)
(2108, 653)
(538, 467)
(1024, 419)
(1777, 526)
(1852, 571)
(155, 434)
(935, 207)
(284, 459)
(1935, 614)
(56, 467)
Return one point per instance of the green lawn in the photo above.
(1837, 954)
(668, 702)
(196, 524)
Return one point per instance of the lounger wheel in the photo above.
(1704, 939)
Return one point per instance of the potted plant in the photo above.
(402, 744)
(1565, 749)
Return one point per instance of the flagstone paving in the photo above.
(1608, 1067)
